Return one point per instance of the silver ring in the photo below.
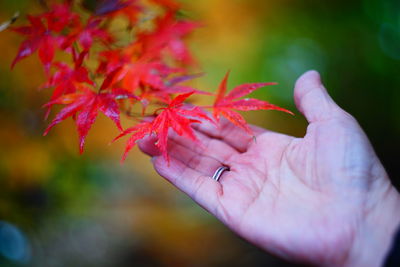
(219, 172)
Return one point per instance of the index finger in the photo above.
(229, 133)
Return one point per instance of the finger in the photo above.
(185, 147)
(229, 133)
(194, 160)
(312, 99)
(201, 188)
(204, 156)
(147, 145)
(206, 146)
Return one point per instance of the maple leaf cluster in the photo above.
(148, 69)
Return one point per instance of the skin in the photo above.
(324, 199)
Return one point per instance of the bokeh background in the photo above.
(61, 209)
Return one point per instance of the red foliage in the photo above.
(224, 104)
(175, 116)
(65, 79)
(149, 70)
(37, 38)
(85, 35)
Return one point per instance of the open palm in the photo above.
(311, 199)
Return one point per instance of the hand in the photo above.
(323, 199)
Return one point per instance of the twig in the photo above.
(7, 24)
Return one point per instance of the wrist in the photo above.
(375, 234)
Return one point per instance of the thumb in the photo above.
(313, 100)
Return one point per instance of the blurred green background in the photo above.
(61, 209)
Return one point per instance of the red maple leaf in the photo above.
(169, 36)
(60, 16)
(66, 79)
(176, 116)
(85, 106)
(38, 38)
(142, 74)
(171, 87)
(224, 104)
(147, 77)
(86, 34)
(110, 60)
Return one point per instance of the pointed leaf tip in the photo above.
(81, 145)
(222, 87)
